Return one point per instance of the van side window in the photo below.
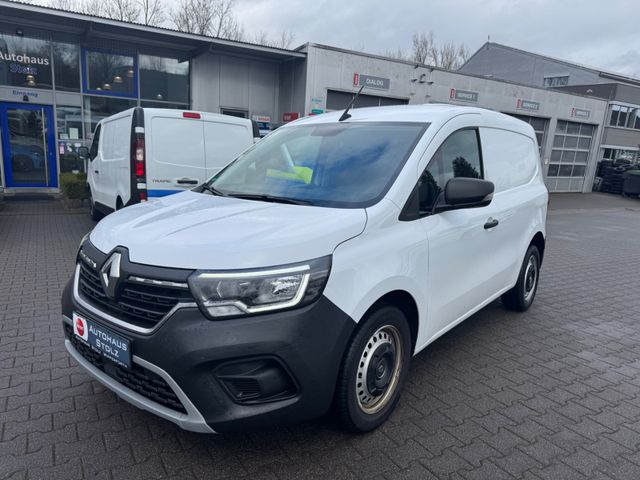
(93, 151)
(458, 156)
(511, 159)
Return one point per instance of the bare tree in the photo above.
(208, 17)
(397, 54)
(422, 44)
(123, 10)
(285, 39)
(152, 12)
(87, 7)
(447, 55)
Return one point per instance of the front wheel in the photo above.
(374, 370)
(520, 297)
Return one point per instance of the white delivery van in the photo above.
(143, 153)
(309, 271)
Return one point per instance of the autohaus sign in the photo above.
(24, 58)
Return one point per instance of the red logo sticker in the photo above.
(80, 327)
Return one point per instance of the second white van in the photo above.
(143, 153)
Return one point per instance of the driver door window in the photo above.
(93, 151)
(458, 156)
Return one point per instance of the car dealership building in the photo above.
(62, 72)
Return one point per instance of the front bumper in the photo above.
(302, 348)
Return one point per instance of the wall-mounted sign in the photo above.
(527, 105)
(261, 118)
(24, 58)
(290, 116)
(369, 81)
(580, 113)
(24, 93)
(463, 95)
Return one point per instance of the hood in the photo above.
(199, 231)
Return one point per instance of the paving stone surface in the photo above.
(550, 394)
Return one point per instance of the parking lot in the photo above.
(553, 393)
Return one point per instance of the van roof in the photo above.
(177, 113)
(431, 113)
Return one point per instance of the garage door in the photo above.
(339, 100)
(569, 156)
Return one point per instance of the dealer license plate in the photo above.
(102, 340)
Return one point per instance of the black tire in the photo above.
(520, 297)
(96, 216)
(358, 406)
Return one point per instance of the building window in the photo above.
(559, 81)
(70, 138)
(66, 60)
(110, 73)
(624, 117)
(164, 79)
(97, 108)
(628, 156)
(25, 62)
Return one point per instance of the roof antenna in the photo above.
(345, 115)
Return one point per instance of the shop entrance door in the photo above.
(28, 145)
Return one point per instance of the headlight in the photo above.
(84, 239)
(247, 292)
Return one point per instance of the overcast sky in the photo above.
(599, 33)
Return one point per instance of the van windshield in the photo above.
(344, 165)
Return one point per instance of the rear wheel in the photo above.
(520, 297)
(374, 370)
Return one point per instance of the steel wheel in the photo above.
(374, 369)
(379, 369)
(530, 278)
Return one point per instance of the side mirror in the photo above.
(465, 193)
(83, 152)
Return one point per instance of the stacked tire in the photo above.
(612, 177)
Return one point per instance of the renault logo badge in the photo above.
(111, 275)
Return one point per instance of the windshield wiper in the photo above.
(213, 190)
(269, 198)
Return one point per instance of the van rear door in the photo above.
(175, 152)
(224, 141)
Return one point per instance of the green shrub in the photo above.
(74, 186)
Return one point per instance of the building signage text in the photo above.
(580, 113)
(369, 81)
(290, 116)
(528, 105)
(24, 58)
(463, 95)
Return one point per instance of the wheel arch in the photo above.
(405, 302)
(539, 241)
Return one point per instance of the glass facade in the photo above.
(96, 108)
(110, 73)
(66, 58)
(70, 138)
(25, 62)
(164, 79)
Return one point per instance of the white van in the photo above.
(143, 153)
(310, 270)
